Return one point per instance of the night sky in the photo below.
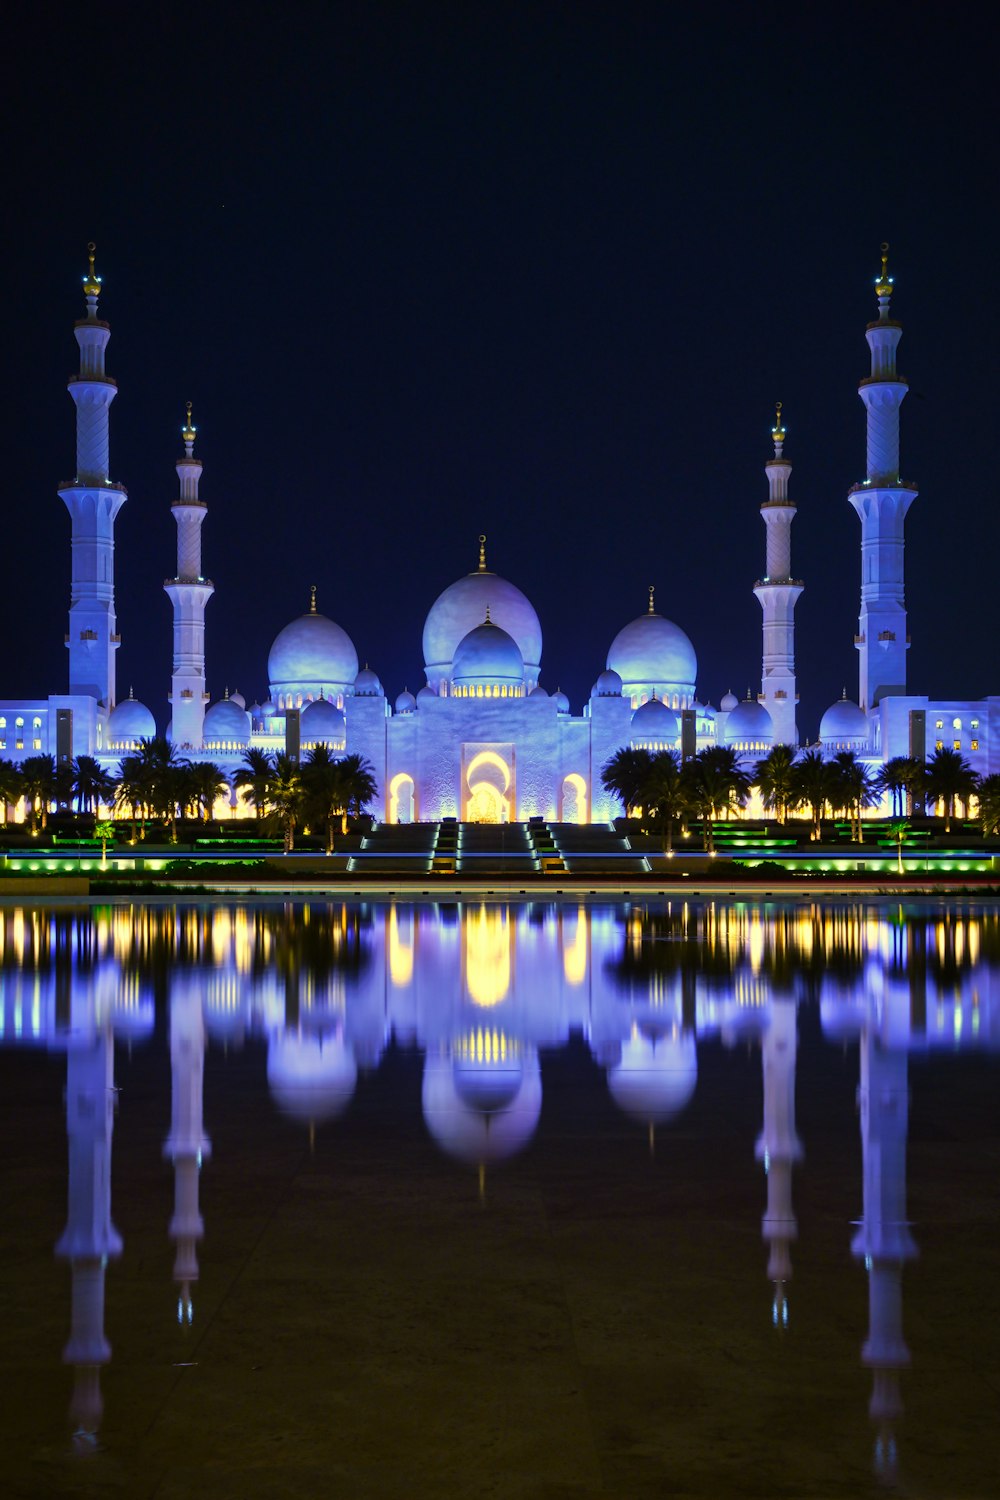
(537, 270)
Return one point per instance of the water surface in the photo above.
(512, 1200)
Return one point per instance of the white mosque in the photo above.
(483, 740)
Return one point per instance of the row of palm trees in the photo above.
(155, 782)
(714, 785)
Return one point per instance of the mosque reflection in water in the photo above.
(481, 990)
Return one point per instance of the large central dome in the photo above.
(463, 606)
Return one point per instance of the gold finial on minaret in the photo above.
(778, 430)
(91, 282)
(312, 598)
(652, 591)
(883, 283)
(482, 552)
(188, 430)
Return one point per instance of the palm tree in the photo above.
(775, 776)
(988, 796)
(360, 785)
(948, 777)
(253, 779)
(897, 777)
(39, 778)
(666, 793)
(898, 831)
(203, 783)
(286, 794)
(716, 784)
(132, 791)
(853, 783)
(324, 789)
(815, 783)
(92, 784)
(11, 787)
(162, 772)
(625, 776)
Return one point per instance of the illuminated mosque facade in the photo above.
(483, 739)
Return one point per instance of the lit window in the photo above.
(939, 744)
(973, 723)
(3, 744)
(956, 723)
(19, 723)
(36, 723)
(974, 745)
(36, 744)
(938, 723)
(956, 744)
(3, 723)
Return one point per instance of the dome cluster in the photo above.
(461, 610)
(312, 657)
(654, 658)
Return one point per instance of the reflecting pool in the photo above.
(536, 1199)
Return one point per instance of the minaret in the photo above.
(189, 592)
(777, 593)
(93, 503)
(882, 501)
(187, 1145)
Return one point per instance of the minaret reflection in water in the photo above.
(187, 1145)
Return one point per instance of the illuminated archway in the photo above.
(487, 780)
(574, 798)
(402, 799)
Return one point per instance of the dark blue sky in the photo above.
(537, 270)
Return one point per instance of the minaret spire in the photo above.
(777, 593)
(188, 592)
(882, 501)
(93, 502)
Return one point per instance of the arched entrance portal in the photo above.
(402, 799)
(574, 799)
(487, 788)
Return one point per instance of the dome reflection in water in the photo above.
(643, 1008)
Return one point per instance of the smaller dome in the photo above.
(749, 724)
(405, 703)
(130, 721)
(538, 691)
(226, 722)
(426, 692)
(323, 720)
(843, 725)
(608, 685)
(561, 702)
(655, 720)
(311, 1078)
(238, 698)
(488, 655)
(654, 1080)
(367, 685)
(268, 708)
(728, 702)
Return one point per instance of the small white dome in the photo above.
(728, 702)
(843, 726)
(226, 722)
(538, 692)
(323, 720)
(312, 654)
(561, 701)
(405, 703)
(311, 1077)
(238, 698)
(655, 721)
(130, 721)
(654, 652)
(608, 685)
(426, 692)
(367, 685)
(749, 724)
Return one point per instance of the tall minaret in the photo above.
(93, 503)
(189, 592)
(882, 501)
(777, 593)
